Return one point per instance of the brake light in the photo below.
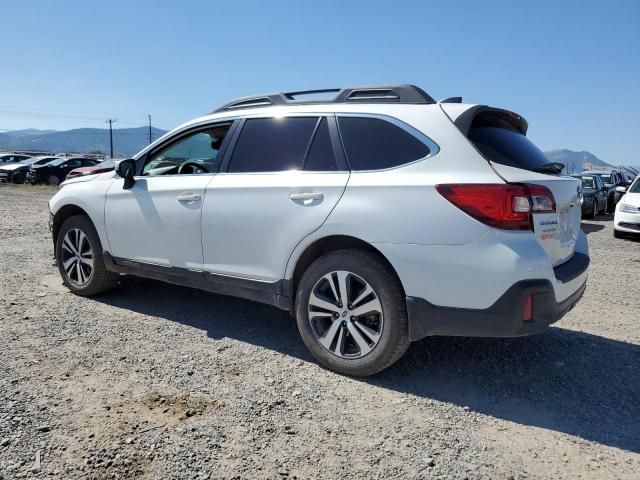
(505, 206)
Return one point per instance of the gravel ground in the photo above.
(157, 381)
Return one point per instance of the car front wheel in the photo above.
(351, 313)
(53, 180)
(79, 258)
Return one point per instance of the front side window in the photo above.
(196, 153)
(373, 144)
(272, 144)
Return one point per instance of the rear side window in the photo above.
(500, 141)
(272, 144)
(374, 144)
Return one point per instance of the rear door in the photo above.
(501, 138)
(278, 185)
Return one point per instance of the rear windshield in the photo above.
(589, 182)
(500, 141)
(606, 179)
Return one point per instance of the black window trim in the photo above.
(433, 147)
(336, 143)
(182, 134)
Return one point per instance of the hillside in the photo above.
(575, 162)
(126, 141)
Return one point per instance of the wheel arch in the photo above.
(65, 212)
(325, 245)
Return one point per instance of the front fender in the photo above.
(88, 196)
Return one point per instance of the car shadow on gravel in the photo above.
(588, 228)
(563, 380)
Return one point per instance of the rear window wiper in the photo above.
(553, 167)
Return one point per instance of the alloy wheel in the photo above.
(53, 180)
(345, 314)
(77, 257)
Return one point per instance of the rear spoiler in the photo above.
(463, 119)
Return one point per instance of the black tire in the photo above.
(617, 234)
(53, 180)
(394, 338)
(100, 279)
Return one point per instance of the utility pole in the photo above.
(110, 122)
(150, 129)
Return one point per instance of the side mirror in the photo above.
(127, 170)
(621, 189)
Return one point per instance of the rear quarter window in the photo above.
(375, 144)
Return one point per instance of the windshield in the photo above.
(31, 161)
(588, 182)
(105, 164)
(56, 162)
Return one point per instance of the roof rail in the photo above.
(401, 93)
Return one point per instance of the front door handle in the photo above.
(306, 198)
(188, 198)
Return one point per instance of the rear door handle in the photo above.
(188, 197)
(306, 198)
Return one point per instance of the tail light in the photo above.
(527, 313)
(505, 206)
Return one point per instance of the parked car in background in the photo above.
(626, 219)
(376, 218)
(611, 180)
(594, 195)
(54, 173)
(104, 166)
(17, 172)
(12, 158)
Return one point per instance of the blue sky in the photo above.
(572, 68)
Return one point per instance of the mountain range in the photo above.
(126, 141)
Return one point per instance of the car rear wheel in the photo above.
(351, 313)
(79, 258)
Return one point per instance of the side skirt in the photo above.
(270, 293)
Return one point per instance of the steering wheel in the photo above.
(194, 166)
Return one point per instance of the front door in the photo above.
(157, 221)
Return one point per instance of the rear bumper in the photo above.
(502, 319)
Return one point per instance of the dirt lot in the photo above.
(156, 381)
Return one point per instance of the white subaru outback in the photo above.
(376, 217)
